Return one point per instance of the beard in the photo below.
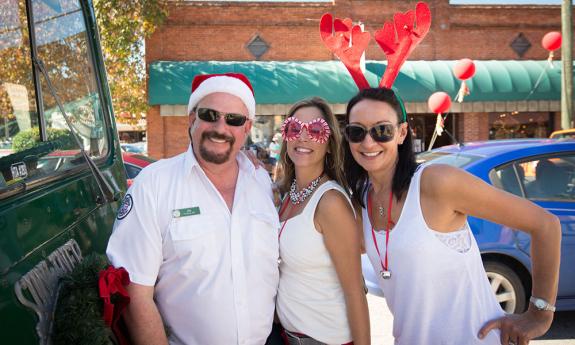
(212, 157)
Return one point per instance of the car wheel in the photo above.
(506, 286)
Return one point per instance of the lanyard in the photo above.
(282, 209)
(385, 273)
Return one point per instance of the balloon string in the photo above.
(435, 133)
(537, 82)
(432, 141)
(463, 91)
(550, 59)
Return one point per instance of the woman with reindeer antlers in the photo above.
(320, 297)
(415, 217)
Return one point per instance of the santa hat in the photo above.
(235, 84)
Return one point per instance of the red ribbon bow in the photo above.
(112, 281)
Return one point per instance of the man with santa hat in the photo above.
(198, 232)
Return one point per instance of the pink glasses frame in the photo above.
(321, 138)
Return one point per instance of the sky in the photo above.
(512, 2)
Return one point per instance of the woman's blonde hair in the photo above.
(333, 162)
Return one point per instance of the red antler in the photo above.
(398, 47)
(348, 43)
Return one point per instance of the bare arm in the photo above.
(334, 218)
(359, 225)
(143, 318)
(460, 193)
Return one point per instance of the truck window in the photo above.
(26, 156)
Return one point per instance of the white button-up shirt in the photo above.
(215, 273)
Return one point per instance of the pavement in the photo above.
(562, 331)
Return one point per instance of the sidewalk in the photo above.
(381, 326)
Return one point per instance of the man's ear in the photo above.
(248, 126)
(192, 118)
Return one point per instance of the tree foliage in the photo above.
(31, 137)
(123, 26)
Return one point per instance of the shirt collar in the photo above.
(245, 165)
(190, 160)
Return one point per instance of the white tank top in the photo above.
(437, 295)
(310, 299)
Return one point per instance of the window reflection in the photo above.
(64, 49)
(519, 125)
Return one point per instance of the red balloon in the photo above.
(464, 69)
(439, 102)
(551, 41)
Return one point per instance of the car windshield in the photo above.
(134, 148)
(459, 160)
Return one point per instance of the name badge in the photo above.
(186, 212)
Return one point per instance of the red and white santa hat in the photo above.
(235, 84)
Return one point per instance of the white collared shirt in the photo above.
(215, 273)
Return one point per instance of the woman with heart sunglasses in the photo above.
(320, 298)
(420, 244)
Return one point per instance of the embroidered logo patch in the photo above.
(126, 207)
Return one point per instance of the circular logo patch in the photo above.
(126, 207)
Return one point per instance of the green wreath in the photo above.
(78, 316)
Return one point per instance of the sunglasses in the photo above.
(318, 129)
(211, 115)
(382, 133)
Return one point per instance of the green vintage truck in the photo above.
(61, 172)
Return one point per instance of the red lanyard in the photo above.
(282, 209)
(383, 266)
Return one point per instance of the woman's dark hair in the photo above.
(356, 176)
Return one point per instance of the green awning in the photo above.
(285, 82)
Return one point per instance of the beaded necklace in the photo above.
(299, 197)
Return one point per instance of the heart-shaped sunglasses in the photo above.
(318, 129)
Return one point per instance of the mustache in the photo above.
(218, 136)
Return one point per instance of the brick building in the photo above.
(514, 93)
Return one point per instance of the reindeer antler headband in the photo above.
(397, 40)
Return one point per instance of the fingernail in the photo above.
(480, 335)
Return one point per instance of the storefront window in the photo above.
(423, 126)
(519, 125)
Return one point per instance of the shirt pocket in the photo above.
(264, 229)
(194, 241)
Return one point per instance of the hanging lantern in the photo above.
(463, 70)
(439, 103)
(551, 41)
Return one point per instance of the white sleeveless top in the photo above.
(437, 295)
(310, 299)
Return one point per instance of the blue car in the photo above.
(541, 170)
